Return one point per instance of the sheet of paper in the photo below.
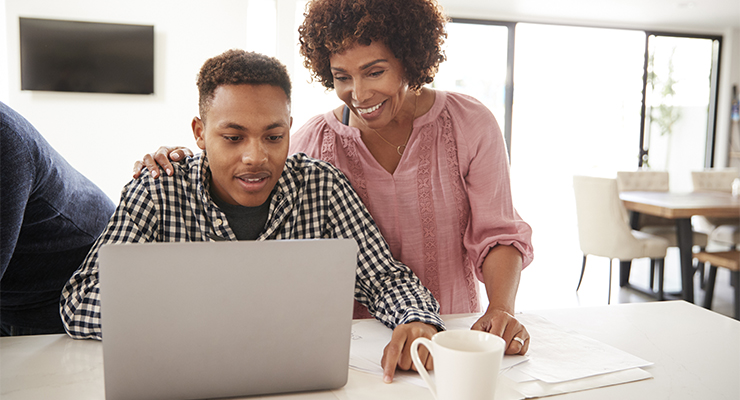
(558, 361)
(537, 388)
(370, 337)
(557, 355)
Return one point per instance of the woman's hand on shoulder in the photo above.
(505, 325)
(161, 158)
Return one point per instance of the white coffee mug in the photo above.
(466, 364)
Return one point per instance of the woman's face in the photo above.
(370, 81)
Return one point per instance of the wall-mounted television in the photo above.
(75, 56)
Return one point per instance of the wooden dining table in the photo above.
(679, 207)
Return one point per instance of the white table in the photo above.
(696, 354)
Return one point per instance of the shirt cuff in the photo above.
(426, 317)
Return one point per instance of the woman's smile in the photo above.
(369, 110)
(372, 112)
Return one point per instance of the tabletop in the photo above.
(682, 205)
(696, 355)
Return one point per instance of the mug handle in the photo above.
(420, 365)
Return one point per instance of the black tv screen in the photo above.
(73, 56)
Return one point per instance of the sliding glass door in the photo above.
(680, 87)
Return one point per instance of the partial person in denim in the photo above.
(50, 216)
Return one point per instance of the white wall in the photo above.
(103, 134)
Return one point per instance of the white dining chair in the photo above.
(714, 179)
(726, 235)
(643, 181)
(725, 231)
(603, 229)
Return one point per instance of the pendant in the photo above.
(400, 149)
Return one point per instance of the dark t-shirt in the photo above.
(246, 222)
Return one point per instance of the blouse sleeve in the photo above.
(485, 168)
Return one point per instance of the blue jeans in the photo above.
(51, 214)
(29, 304)
(12, 330)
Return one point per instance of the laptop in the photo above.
(203, 320)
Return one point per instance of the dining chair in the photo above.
(725, 231)
(603, 229)
(656, 181)
(725, 259)
(726, 235)
(714, 179)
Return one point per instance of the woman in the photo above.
(430, 166)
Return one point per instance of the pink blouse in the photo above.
(448, 202)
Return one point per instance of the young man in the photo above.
(50, 215)
(243, 186)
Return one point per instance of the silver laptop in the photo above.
(222, 319)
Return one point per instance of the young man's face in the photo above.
(245, 135)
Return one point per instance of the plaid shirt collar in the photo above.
(282, 199)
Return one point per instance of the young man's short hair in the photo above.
(239, 67)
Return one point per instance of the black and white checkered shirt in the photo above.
(312, 199)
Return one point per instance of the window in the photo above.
(678, 130)
(484, 75)
(576, 104)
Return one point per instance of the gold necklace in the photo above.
(401, 148)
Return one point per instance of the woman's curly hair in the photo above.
(413, 30)
(237, 67)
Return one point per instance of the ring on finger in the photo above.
(520, 340)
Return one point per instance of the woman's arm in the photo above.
(501, 271)
(497, 239)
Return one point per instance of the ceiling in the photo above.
(711, 16)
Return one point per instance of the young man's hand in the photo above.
(161, 158)
(398, 351)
